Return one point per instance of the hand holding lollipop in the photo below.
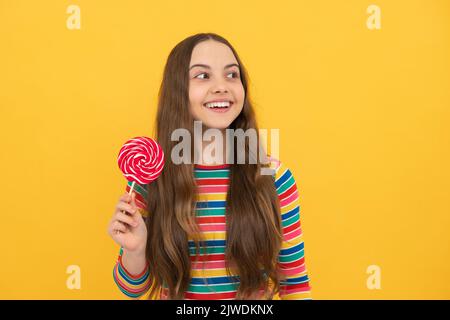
(141, 160)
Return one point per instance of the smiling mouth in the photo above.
(219, 106)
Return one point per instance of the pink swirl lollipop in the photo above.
(141, 160)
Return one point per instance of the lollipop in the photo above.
(141, 160)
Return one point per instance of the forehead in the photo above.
(213, 53)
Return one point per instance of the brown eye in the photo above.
(236, 75)
(200, 75)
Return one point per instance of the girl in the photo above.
(210, 231)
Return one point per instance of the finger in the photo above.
(126, 207)
(133, 199)
(118, 236)
(126, 197)
(133, 202)
(119, 226)
(123, 217)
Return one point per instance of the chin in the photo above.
(217, 125)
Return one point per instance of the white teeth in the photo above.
(224, 104)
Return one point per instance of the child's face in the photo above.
(219, 81)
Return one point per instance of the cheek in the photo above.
(239, 94)
(196, 96)
(238, 90)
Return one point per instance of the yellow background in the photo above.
(363, 118)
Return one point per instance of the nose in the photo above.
(219, 86)
(220, 90)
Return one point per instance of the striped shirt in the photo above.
(209, 279)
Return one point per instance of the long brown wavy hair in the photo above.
(253, 232)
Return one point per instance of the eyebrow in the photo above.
(208, 67)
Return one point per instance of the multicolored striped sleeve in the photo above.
(133, 286)
(291, 259)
